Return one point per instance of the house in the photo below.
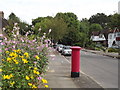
(100, 37)
(108, 38)
(112, 37)
(3, 23)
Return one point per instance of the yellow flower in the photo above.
(46, 86)
(11, 75)
(0, 70)
(35, 68)
(24, 61)
(44, 81)
(26, 54)
(31, 77)
(11, 54)
(12, 83)
(27, 78)
(21, 56)
(16, 62)
(18, 50)
(8, 59)
(7, 52)
(34, 71)
(3, 60)
(37, 57)
(30, 84)
(15, 55)
(34, 86)
(6, 77)
(37, 73)
(30, 67)
(15, 50)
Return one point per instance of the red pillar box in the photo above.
(75, 66)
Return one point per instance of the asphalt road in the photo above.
(103, 69)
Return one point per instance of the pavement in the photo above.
(59, 74)
(113, 55)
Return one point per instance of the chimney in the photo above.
(1, 16)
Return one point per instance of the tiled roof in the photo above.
(113, 31)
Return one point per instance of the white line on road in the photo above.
(84, 73)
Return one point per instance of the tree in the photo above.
(84, 26)
(58, 27)
(70, 18)
(99, 18)
(40, 19)
(95, 27)
(114, 21)
(71, 37)
(24, 27)
(13, 19)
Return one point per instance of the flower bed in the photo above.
(23, 63)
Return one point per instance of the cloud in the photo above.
(30, 9)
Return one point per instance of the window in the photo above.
(101, 36)
(114, 35)
(110, 36)
(118, 34)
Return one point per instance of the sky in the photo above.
(27, 10)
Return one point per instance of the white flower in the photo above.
(3, 29)
(39, 29)
(17, 33)
(50, 30)
(15, 24)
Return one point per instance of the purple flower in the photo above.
(46, 45)
(13, 46)
(39, 78)
(35, 62)
(6, 49)
(39, 86)
(1, 35)
(0, 50)
(2, 43)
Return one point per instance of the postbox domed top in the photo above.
(76, 47)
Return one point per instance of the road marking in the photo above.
(52, 55)
(91, 78)
(66, 59)
(85, 73)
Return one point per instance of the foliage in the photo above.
(57, 26)
(40, 19)
(95, 27)
(69, 18)
(99, 18)
(72, 22)
(114, 21)
(23, 62)
(113, 50)
(24, 27)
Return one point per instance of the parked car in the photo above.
(59, 47)
(66, 50)
(54, 46)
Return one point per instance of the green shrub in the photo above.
(112, 50)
